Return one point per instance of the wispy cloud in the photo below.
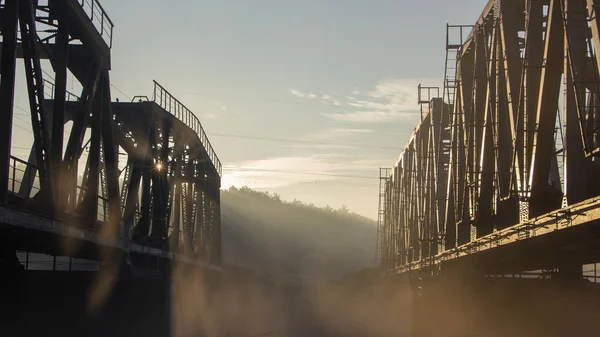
(297, 93)
(387, 101)
(301, 94)
(331, 100)
(279, 172)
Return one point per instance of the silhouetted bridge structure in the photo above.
(500, 180)
(112, 193)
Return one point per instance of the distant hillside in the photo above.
(293, 241)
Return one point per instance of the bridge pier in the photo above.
(76, 303)
(161, 298)
(477, 306)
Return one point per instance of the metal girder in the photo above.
(532, 65)
(33, 72)
(412, 225)
(487, 164)
(60, 57)
(89, 204)
(593, 6)
(9, 23)
(513, 77)
(131, 187)
(74, 148)
(111, 168)
(154, 205)
(493, 155)
(547, 100)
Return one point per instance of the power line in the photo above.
(48, 74)
(26, 113)
(20, 127)
(299, 141)
(122, 93)
(297, 181)
(243, 168)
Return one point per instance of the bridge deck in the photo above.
(129, 112)
(39, 234)
(571, 234)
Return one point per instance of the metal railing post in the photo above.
(14, 166)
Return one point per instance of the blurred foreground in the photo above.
(240, 303)
(236, 303)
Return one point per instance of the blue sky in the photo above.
(338, 79)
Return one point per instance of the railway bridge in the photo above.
(112, 196)
(496, 195)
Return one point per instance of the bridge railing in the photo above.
(166, 101)
(49, 92)
(99, 19)
(17, 168)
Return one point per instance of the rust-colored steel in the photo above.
(514, 139)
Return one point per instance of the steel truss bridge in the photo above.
(502, 173)
(129, 185)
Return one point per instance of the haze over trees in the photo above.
(293, 241)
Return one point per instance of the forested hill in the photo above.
(293, 241)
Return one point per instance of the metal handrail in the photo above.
(15, 180)
(172, 105)
(99, 19)
(49, 92)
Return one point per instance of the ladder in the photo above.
(453, 48)
(103, 187)
(381, 218)
(124, 187)
(35, 86)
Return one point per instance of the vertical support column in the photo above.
(74, 145)
(143, 226)
(176, 211)
(7, 89)
(33, 74)
(465, 93)
(93, 175)
(9, 21)
(593, 7)
(543, 139)
(479, 108)
(199, 231)
(533, 71)
(189, 206)
(487, 163)
(511, 16)
(507, 107)
(216, 237)
(132, 187)
(160, 187)
(450, 218)
(580, 173)
(502, 128)
(60, 55)
(111, 161)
